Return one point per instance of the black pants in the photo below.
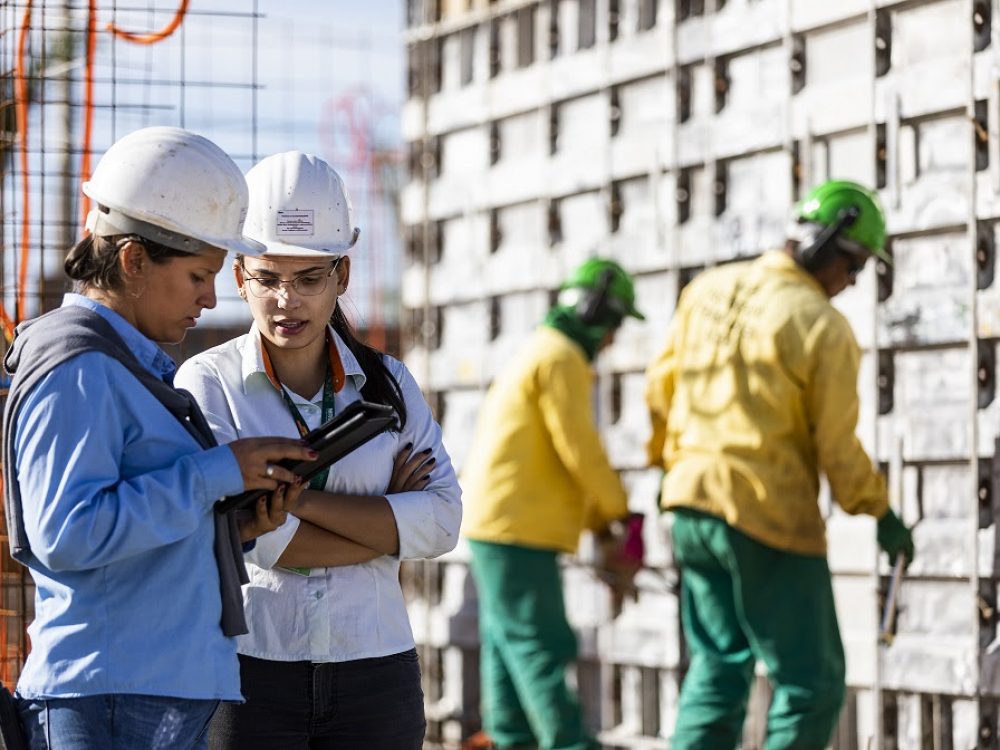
(367, 704)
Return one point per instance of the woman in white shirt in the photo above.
(330, 660)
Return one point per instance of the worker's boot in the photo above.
(478, 741)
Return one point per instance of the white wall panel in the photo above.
(583, 123)
(806, 14)
(464, 152)
(625, 439)
(584, 223)
(522, 137)
(459, 425)
(451, 62)
(857, 303)
(930, 68)
(935, 193)
(459, 276)
(755, 111)
(850, 157)
(930, 292)
(758, 197)
(646, 120)
(932, 396)
(838, 80)
(746, 23)
(857, 613)
(935, 645)
(716, 186)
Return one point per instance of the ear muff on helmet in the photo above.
(596, 307)
(819, 244)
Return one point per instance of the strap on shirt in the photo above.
(333, 381)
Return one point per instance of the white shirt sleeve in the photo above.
(427, 521)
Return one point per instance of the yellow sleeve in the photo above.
(832, 401)
(565, 403)
(659, 393)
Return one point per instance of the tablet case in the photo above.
(358, 423)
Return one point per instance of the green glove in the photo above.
(893, 537)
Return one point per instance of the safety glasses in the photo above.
(306, 284)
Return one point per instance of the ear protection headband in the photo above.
(595, 307)
(822, 246)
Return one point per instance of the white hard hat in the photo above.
(299, 207)
(173, 187)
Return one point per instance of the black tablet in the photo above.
(358, 423)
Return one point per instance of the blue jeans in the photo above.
(117, 722)
(365, 704)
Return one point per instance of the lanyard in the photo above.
(332, 383)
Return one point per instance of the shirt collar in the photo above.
(253, 359)
(146, 351)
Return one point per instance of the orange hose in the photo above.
(7, 324)
(22, 127)
(155, 36)
(88, 102)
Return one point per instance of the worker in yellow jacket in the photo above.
(754, 395)
(537, 475)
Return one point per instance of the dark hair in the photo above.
(93, 261)
(380, 386)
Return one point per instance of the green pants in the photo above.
(743, 601)
(526, 645)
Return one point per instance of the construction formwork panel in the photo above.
(674, 136)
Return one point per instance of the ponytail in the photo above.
(93, 262)
(380, 386)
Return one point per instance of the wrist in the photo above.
(248, 530)
(889, 518)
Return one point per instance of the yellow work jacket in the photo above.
(537, 473)
(755, 393)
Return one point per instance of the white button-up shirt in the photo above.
(343, 613)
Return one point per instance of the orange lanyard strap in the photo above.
(332, 383)
(336, 366)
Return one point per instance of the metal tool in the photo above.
(885, 634)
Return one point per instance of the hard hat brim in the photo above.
(246, 246)
(279, 249)
(241, 246)
(635, 313)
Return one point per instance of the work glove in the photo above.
(622, 553)
(893, 538)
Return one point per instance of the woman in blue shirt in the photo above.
(330, 660)
(112, 474)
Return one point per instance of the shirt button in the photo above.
(319, 594)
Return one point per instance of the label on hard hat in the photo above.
(294, 223)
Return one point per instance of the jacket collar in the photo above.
(782, 261)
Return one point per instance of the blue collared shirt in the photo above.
(117, 499)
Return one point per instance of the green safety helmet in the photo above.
(601, 292)
(850, 211)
